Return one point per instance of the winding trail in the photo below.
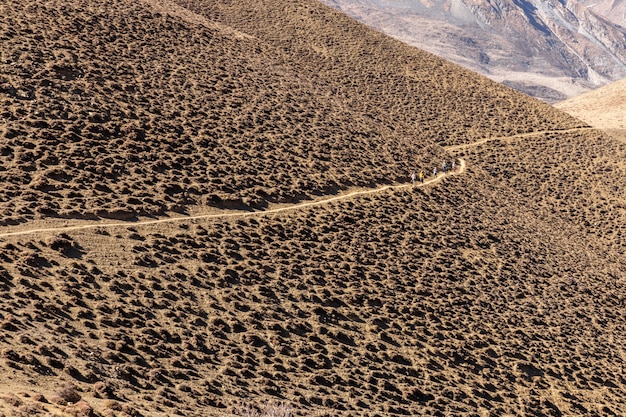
(299, 206)
(461, 169)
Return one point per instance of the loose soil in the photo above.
(208, 203)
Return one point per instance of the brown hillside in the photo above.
(250, 251)
(391, 82)
(604, 108)
(102, 117)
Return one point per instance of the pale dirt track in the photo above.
(513, 137)
(239, 214)
(438, 178)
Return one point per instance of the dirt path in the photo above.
(238, 214)
(322, 201)
(513, 137)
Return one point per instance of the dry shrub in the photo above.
(9, 324)
(102, 390)
(125, 409)
(132, 132)
(69, 393)
(39, 397)
(30, 409)
(12, 400)
(113, 405)
(61, 243)
(10, 354)
(34, 259)
(80, 409)
(271, 409)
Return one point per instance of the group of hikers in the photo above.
(445, 167)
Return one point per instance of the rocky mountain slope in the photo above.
(159, 255)
(548, 49)
(612, 10)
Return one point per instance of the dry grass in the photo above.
(134, 124)
(488, 292)
(269, 410)
(364, 304)
(604, 108)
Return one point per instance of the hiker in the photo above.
(434, 171)
(453, 165)
(444, 166)
(413, 178)
(421, 177)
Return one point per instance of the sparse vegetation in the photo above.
(68, 394)
(487, 292)
(130, 128)
(270, 409)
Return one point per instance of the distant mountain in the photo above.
(612, 10)
(548, 49)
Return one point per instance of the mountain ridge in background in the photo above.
(612, 10)
(548, 49)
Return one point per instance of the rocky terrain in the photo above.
(612, 10)
(207, 207)
(121, 125)
(552, 50)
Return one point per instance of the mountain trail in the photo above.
(513, 137)
(461, 169)
(299, 206)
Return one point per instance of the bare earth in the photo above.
(604, 108)
(205, 204)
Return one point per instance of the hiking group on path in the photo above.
(445, 167)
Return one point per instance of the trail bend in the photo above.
(461, 169)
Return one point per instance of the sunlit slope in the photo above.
(577, 177)
(394, 83)
(116, 109)
(454, 300)
(604, 108)
(112, 109)
(499, 289)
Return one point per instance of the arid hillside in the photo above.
(612, 10)
(207, 206)
(604, 108)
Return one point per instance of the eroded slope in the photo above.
(416, 302)
(112, 109)
(489, 291)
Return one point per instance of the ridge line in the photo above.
(453, 148)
